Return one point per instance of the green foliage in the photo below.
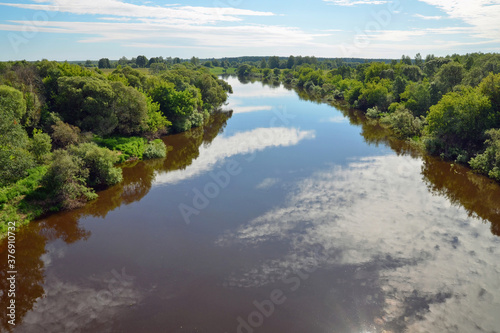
(461, 118)
(40, 146)
(64, 134)
(373, 112)
(87, 103)
(65, 181)
(12, 104)
(130, 147)
(131, 109)
(156, 121)
(404, 124)
(100, 164)
(155, 149)
(104, 63)
(490, 87)
(488, 162)
(374, 94)
(15, 159)
(24, 186)
(417, 98)
(177, 106)
(450, 75)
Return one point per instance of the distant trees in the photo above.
(141, 61)
(274, 62)
(104, 63)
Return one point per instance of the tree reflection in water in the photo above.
(138, 177)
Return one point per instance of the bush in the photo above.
(23, 186)
(65, 181)
(40, 146)
(404, 124)
(130, 148)
(100, 164)
(373, 112)
(155, 149)
(64, 134)
(488, 163)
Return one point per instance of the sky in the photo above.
(94, 29)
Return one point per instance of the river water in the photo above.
(284, 215)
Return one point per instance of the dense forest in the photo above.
(449, 106)
(64, 127)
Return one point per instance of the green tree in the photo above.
(100, 165)
(274, 62)
(130, 108)
(398, 87)
(195, 61)
(490, 87)
(460, 119)
(64, 134)
(141, 61)
(15, 159)
(418, 61)
(104, 63)
(450, 75)
(87, 103)
(40, 146)
(488, 162)
(290, 62)
(406, 60)
(65, 181)
(263, 63)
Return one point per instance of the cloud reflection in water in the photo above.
(377, 210)
(241, 143)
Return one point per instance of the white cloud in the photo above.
(356, 2)
(222, 148)
(267, 183)
(335, 120)
(423, 17)
(188, 14)
(482, 15)
(422, 245)
(77, 307)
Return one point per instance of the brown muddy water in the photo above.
(283, 216)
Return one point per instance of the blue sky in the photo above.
(93, 29)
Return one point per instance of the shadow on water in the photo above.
(138, 178)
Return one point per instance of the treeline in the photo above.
(63, 127)
(161, 63)
(448, 105)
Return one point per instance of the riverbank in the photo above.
(66, 127)
(448, 109)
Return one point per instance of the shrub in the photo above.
(155, 149)
(100, 164)
(23, 186)
(373, 112)
(40, 146)
(65, 181)
(64, 134)
(131, 147)
(404, 124)
(488, 163)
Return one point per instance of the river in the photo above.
(284, 215)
